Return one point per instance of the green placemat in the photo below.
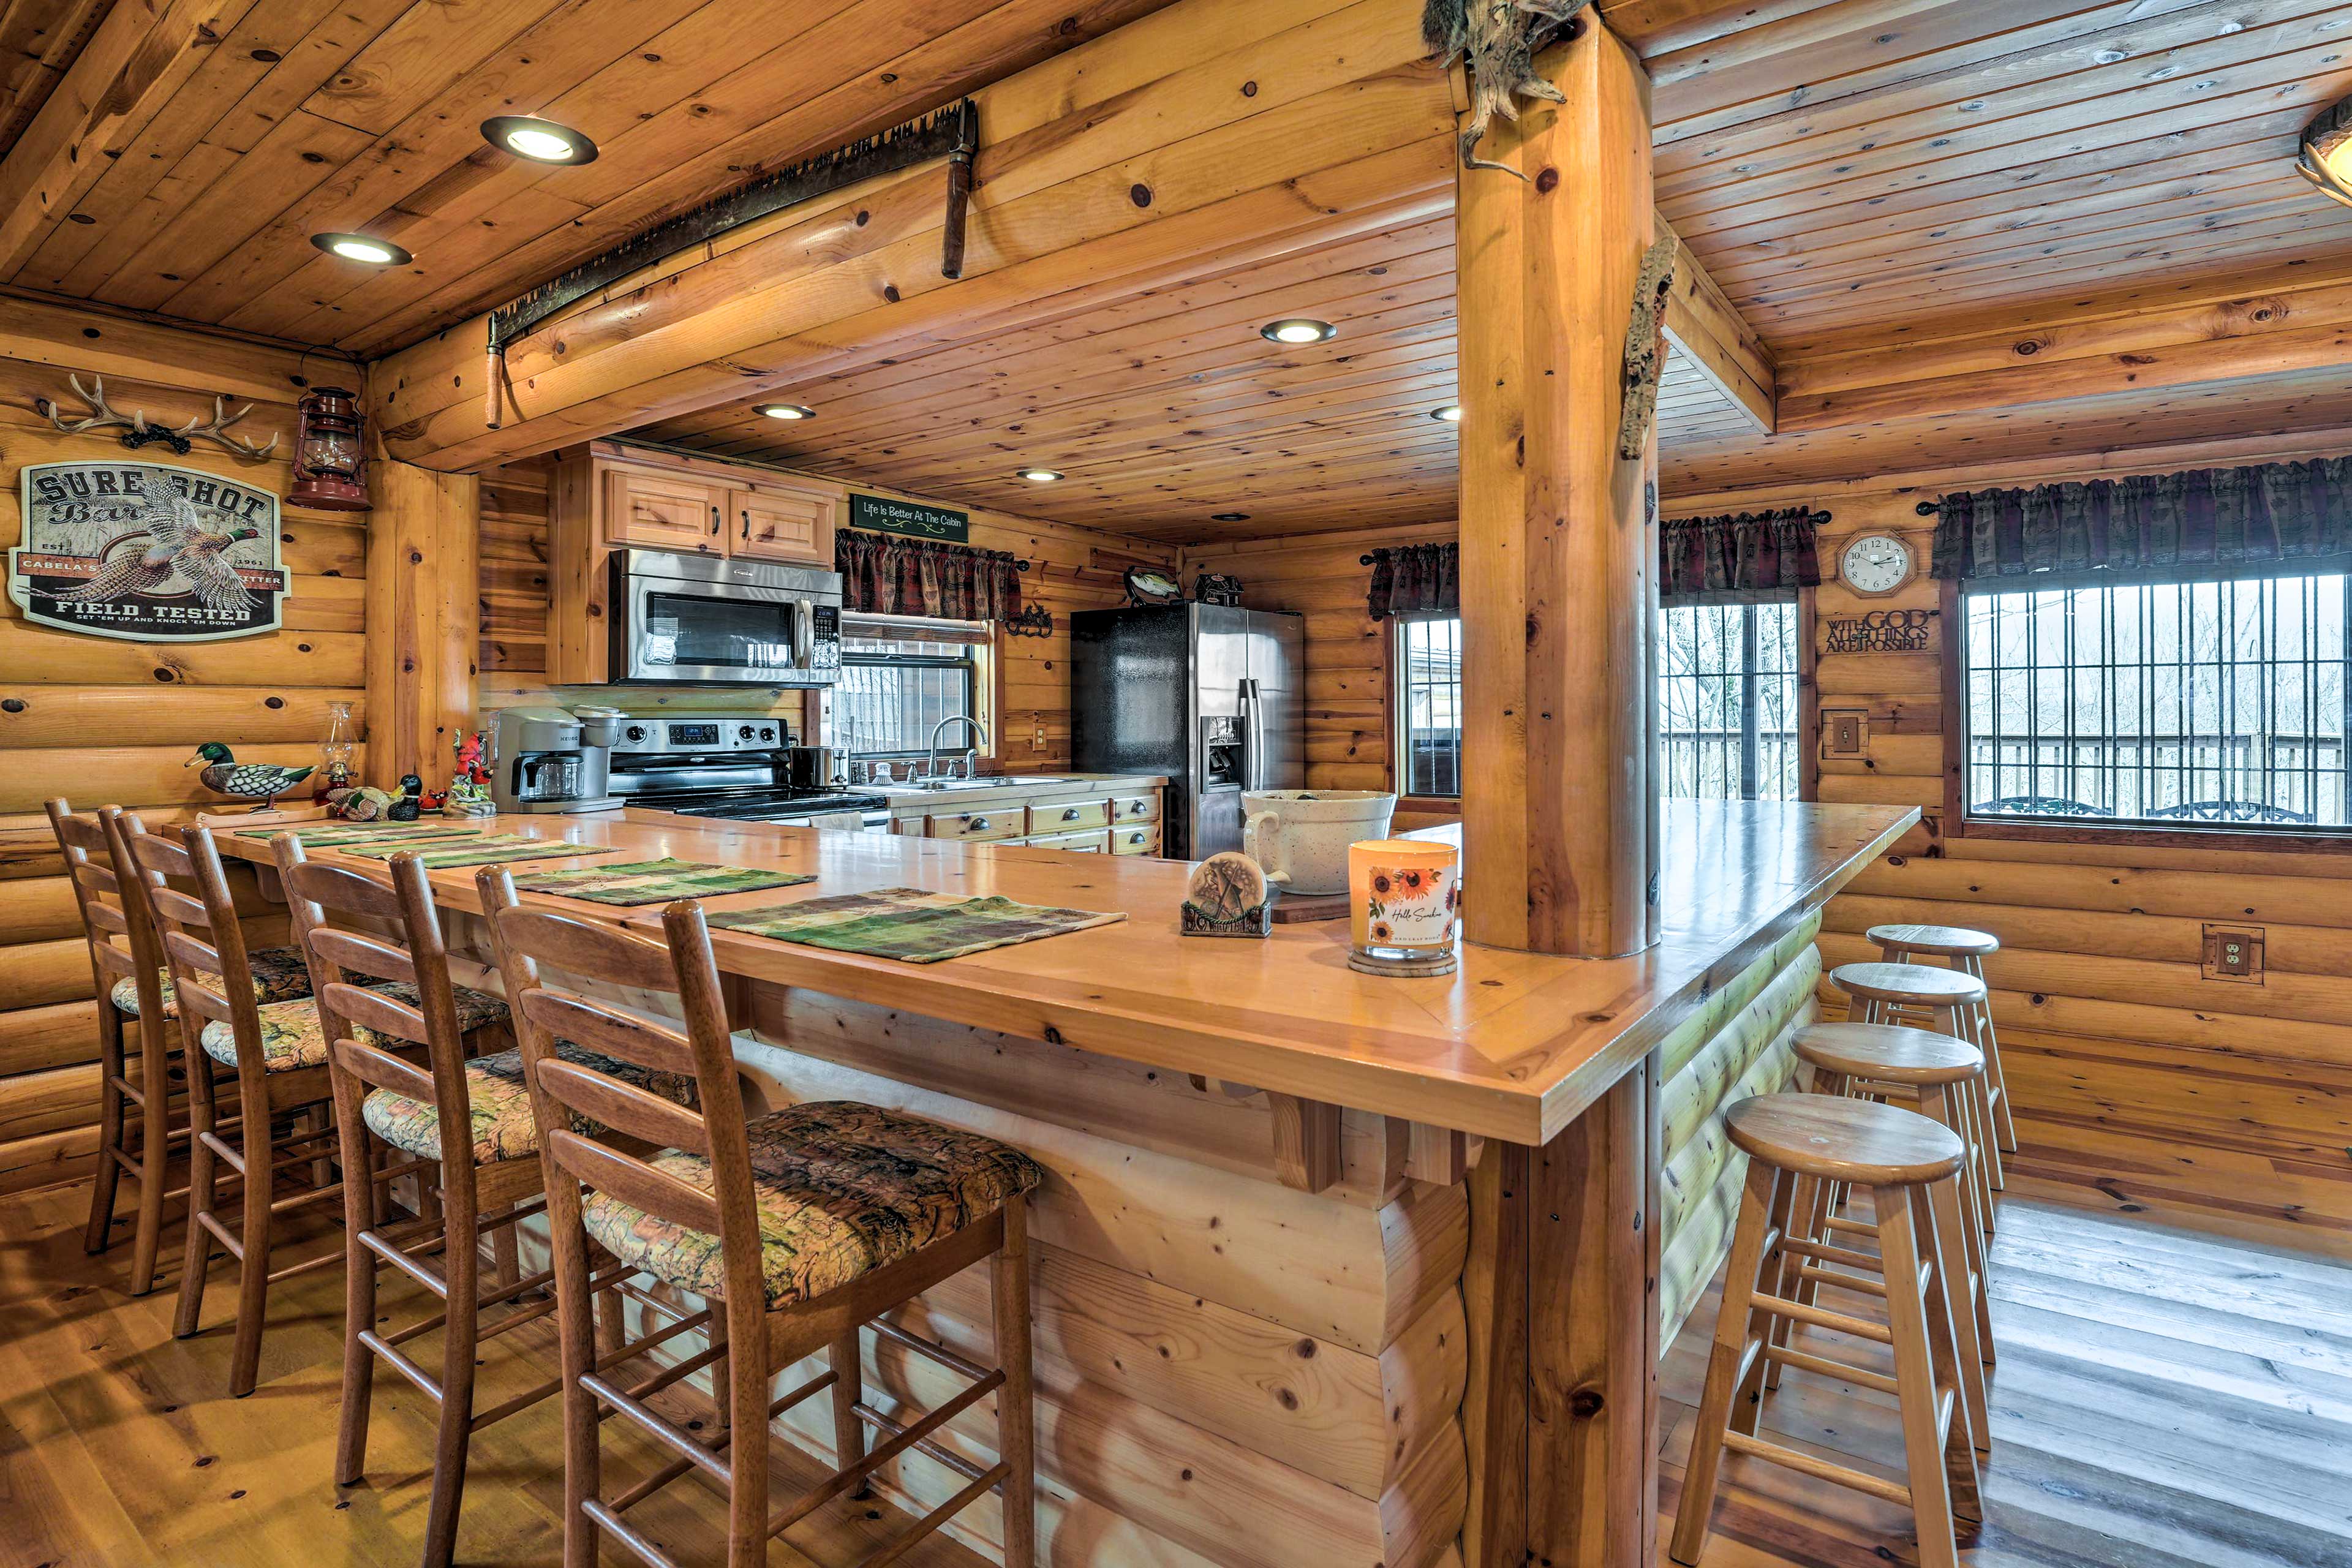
(335, 834)
(910, 924)
(486, 850)
(656, 881)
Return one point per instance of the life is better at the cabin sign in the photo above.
(147, 553)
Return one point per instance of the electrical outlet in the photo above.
(2234, 954)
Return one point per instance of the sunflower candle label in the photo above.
(147, 553)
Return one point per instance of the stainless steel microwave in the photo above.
(704, 618)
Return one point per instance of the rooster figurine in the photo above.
(178, 542)
(224, 774)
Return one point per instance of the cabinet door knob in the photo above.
(747, 525)
(715, 519)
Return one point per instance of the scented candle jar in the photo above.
(1404, 897)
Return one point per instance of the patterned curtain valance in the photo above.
(2231, 519)
(1416, 579)
(882, 576)
(1734, 559)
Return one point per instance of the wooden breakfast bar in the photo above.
(1329, 1267)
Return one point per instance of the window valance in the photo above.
(1416, 580)
(1738, 558)
(884, 575)
(2236, 521)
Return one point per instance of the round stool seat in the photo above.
(1941, 942)
(1891, 1053)
(1908, 984)
(1856, 1140)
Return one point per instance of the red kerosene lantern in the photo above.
(330, 452)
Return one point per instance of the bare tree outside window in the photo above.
(893, 691)
(2160, 702)
(1727, 701)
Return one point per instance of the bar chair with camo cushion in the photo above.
(275, 1054)
(138, 1047)
(799, 1229)
(379, 972)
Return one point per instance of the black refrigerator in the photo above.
(1210, 695)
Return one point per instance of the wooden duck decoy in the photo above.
(263, 782)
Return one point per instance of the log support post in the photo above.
(1558, 533)
(424, 618)
(1559, 810)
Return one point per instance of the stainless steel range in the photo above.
(735, 767)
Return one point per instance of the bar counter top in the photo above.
(1512, 1046)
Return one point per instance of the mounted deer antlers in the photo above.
(137, 432)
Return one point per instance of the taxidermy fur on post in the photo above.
(1499, 38)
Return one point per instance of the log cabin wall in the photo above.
(1071, 569)
(2138, 1082)
(106, 722)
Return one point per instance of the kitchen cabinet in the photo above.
(1078, 815)
(608, 496)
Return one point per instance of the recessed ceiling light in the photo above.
(785, 411)
(540, 140)
(1451, 414)
(364, 247)
(1229, 517)
(1041, 476)
(1298, 330)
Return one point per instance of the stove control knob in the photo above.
(636, 732)
(743, 732)
(767, 733)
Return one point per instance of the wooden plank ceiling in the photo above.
(1854, 174)
(280, 118)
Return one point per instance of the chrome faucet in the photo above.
(971, 753)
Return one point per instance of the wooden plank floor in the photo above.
(120, 1447)
(2164, 1399)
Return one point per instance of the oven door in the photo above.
(717, 621)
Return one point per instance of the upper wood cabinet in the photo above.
(607, 496)
(661, 511)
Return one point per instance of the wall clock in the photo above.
(1875, 564)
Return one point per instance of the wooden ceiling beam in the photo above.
(2094, 354)
(1336, 125)
(1703, 322)
(135, 60)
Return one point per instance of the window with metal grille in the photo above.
(900, 677)
(2160, 703)
(1727, 701)
(1428, 705)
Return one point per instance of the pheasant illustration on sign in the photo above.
(147, 553)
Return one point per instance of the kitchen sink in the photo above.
(1008, 781)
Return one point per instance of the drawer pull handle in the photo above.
(1071, 814)
(977, 825)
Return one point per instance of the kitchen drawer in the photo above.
(980, 826)
(1128, 839)
(1093, 842)
(1068, 815)
(1135, 807)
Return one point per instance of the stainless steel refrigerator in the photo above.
(1212, 696)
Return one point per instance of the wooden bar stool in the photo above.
(1889, 1061)
(380, 1000)
(798, 1229)
(1966, 950)
(1901, 1156)
(1941, 1000)
(135, 1077)
(277, 1056)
